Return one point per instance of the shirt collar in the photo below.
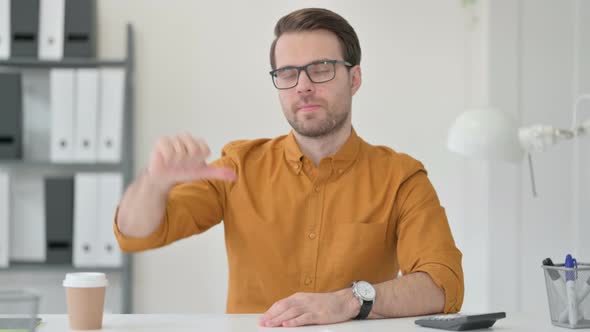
(344, 157)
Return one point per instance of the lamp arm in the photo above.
(583, 129)
(539, 137)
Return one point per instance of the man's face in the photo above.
(316, 109)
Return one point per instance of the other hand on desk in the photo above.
(312, 308)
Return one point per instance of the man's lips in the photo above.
(309, 108)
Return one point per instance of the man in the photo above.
(318, 223)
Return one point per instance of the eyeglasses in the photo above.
(318, 72)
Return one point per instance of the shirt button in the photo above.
(308, 281)
(340, 171)
(316, 189)
(312, 236)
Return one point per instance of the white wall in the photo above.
(535, 71)
(551, 78)
(203, 68)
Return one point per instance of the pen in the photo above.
(585, 291)
(563, 317)
(556, 279)
(570, 283)
(559, 286)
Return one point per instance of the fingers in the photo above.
(286, 310)
(182, 158)
(287, 315)
(193, 148)
(304, 319)
(179, 150)
(306, 309)
(221, 173)
(182, 148)
(276, 309)
(164, 149)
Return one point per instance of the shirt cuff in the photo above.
(132, 244)
(447, 280)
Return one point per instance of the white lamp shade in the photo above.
(485, 134)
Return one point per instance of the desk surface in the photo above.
(247, 323)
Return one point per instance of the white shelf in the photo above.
(48, 276)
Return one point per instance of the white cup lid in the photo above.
(85, 280)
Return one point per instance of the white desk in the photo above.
(247, 323)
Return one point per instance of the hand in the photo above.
(181, 159)
(312, 308)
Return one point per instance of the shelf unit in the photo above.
(125, 166)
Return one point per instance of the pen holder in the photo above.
(18, 309)
(568, 293)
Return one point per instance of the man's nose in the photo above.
(305, 85)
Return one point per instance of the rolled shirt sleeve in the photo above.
(191, 208)
(424, 239)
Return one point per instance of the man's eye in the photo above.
(287, 74)
(320, 68)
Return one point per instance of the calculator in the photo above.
(17, 324)
(461, 322)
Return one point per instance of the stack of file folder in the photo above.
(59, 219)
(47, 29)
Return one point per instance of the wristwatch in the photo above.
(365, 293)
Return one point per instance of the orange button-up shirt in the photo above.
(364, 213)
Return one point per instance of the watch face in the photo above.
(365, 290)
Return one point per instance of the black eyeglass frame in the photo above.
(273, 73)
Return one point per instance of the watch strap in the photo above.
(365, 310)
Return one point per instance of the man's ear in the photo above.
(355, 79)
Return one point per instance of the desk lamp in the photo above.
(490, 134)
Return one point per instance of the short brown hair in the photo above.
(309, 19)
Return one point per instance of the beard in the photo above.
(315, 126)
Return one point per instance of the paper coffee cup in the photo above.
(85, 293)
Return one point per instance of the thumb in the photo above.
(221, 173)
